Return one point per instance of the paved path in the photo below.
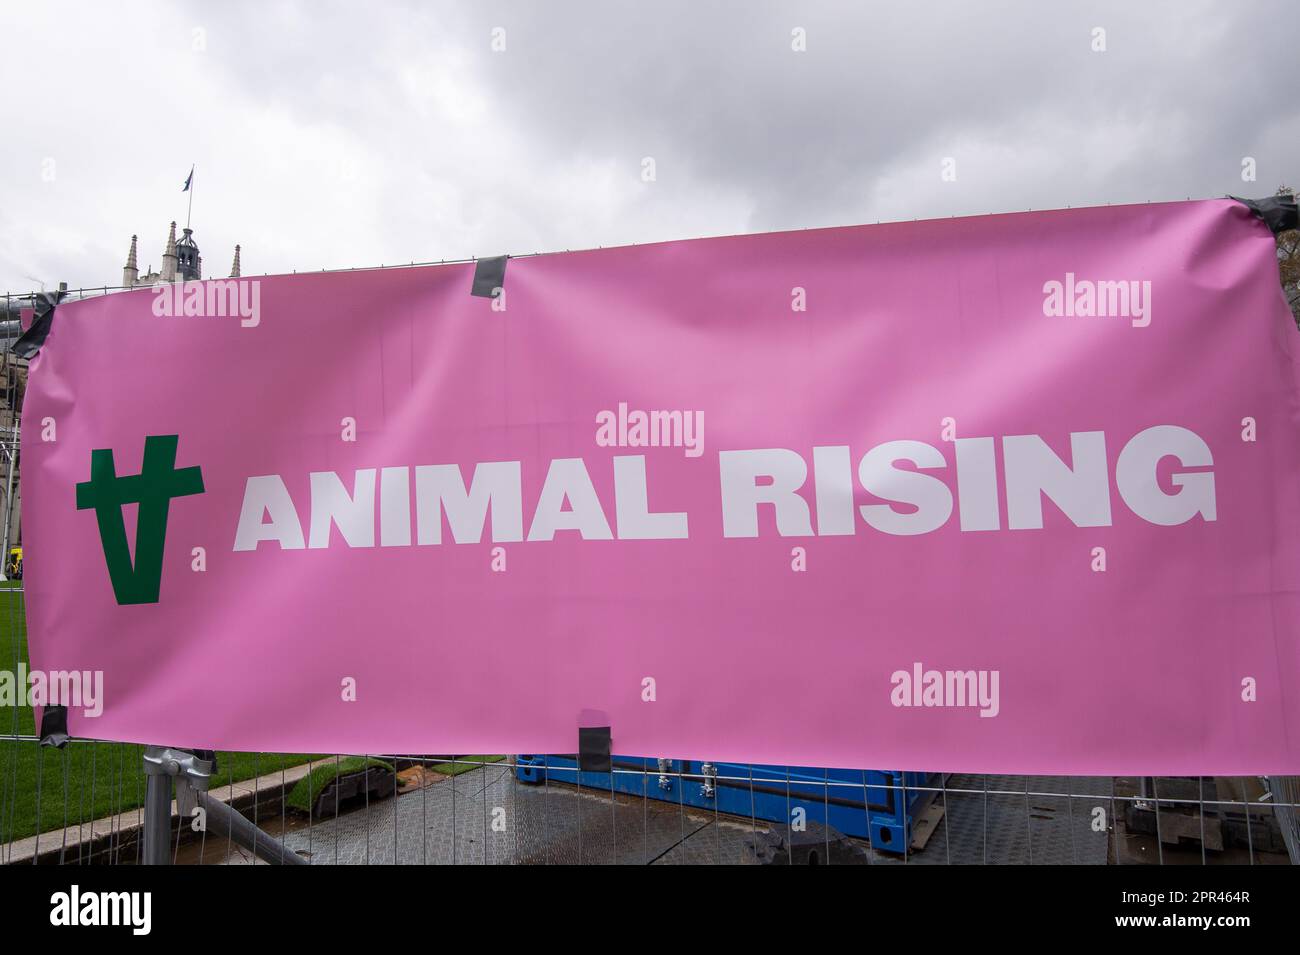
(486, 816)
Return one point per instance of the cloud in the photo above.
(332, 135)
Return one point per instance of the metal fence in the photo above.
(85, 803)
(482, 813)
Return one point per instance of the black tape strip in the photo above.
(489, 275)
(593, 749)
(208, 755)
(1276, 212)
(54, 726)
(30, 341)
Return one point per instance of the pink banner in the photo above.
(1004, 494)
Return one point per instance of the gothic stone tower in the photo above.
(180, 261)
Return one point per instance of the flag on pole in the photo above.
(188, 179)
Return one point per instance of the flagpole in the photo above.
(191, 206)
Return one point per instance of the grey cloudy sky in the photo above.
(330, 135)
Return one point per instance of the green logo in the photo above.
(153, 488)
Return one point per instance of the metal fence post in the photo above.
(192, 772)
(158, 769)
(11, 455)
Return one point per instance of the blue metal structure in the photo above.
(854, 801)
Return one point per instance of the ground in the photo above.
(487, 816)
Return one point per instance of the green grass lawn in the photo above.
(305, 791)
(463, 765)
(42, 788)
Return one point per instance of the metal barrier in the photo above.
(482, 812)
